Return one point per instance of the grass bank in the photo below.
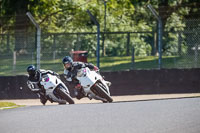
(117, 63)
(8, 105)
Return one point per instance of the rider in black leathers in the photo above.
(34, 81)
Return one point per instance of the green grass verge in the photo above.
(116, 63)
(9, 105)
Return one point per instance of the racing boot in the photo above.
(43, 99)
(78, 92)
(89, 96)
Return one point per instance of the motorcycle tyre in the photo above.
(101, 91)
(65, 96)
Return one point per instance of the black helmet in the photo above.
(31, 70)
(67, 59)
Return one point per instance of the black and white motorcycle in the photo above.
(53, 89)
(93, 85)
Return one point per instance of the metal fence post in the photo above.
(153, 51)
(8, 42)
(179, 43)
(38, 37)
(160, 42)
(195, 55)
(128, 44)
(159, 34)
(98, 37)
(54, 46)
(133, 58)
(14, 61)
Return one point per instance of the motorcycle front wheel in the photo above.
(65, 96)
(102, 93)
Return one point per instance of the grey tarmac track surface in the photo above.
(156, 116)
(33, 102)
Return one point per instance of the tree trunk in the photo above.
(20, 32)
(21, 22)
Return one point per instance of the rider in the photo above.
(34, 81)
(70, 69)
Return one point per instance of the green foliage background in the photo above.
(57, 18)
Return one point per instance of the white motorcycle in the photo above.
(55, 90)
(93, 85)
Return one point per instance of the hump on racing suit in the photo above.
(76, 66)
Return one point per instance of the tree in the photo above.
(173, 15)
(15, 12)
(70, 16)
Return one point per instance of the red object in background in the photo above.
(79, 56)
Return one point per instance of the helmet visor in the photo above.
(31, 73)
(67, 65)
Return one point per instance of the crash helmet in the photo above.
(67, 59)
(31, 70)
(67, 62)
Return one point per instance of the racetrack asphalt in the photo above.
(144, 116)
(126, 98)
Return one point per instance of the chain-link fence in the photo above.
(182, 47)
(121, 50)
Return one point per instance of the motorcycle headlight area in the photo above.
(45, 78)
(80, 73)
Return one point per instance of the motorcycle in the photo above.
(55, 90)
(93, 85)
